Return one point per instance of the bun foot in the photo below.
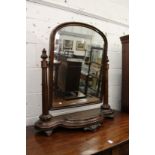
(92, 127)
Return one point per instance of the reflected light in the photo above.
(110, 141)
(57, 36)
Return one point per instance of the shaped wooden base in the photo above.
(88, 120)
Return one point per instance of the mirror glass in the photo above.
(77, 76)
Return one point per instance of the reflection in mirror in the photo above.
(77, 66)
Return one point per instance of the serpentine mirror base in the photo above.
(88, 120)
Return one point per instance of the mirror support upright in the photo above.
(107, 111)
(45, 107)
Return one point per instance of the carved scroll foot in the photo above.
(45, 117)
(92, 127)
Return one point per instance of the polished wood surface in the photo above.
(79, 142)
(125, 74)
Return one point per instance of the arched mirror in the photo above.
(77, 72)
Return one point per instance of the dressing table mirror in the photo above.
(74, 74)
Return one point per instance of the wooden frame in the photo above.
(48, 122)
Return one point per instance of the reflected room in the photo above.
(77, 76)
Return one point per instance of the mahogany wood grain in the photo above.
(125, 73)
(45, 106)
(79, 142)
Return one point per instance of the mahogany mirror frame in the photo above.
(45, 122)
(104, 88)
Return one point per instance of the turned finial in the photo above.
(44, 55)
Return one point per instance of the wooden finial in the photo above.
(44, 55)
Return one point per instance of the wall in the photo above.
(41, 19)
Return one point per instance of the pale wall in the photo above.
(40, 22)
